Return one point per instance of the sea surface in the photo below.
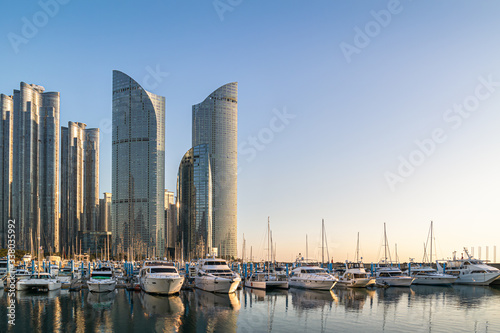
(415, 309)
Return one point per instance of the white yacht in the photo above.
(40, 282)
(429, 276)
(355, 276)
(470, 271)
(160, 277)
(311, 277)
(266, 280)
(66, 275)
(101, 280)
(392, 276)
(22, 274)
(214, 275)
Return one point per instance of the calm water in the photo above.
(415, 309)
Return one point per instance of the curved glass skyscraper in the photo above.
(215, 123)
(194, 196)
(138, 176)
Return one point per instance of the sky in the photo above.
(356, 112)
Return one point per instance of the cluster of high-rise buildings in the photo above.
(50, 177)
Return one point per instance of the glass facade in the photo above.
(79, 184)
(138, 169)
(215, 123)
(6, 158)
(194, 197)
(35, 167)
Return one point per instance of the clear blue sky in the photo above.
(354, 116)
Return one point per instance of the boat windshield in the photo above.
(100, 275)
(314, 271)
(163, 270)
(41, 276)
(215, 263)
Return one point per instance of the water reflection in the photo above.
(304, 299)
(354, 299)
(101, 301)
(167, 311)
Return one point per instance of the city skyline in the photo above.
(335, 120)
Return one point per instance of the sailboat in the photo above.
(388, 275)
(39, 281)
(267, 279)
(426, 274)
(355, 275)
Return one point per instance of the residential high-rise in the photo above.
(79, 183)
(105, 212)
(138, 169)
(170, 224)
(6, 158)
(35, 167)
(215, 122)
(194, 197)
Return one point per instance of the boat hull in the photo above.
(394, 281)
(434, 281)
(217, 285)
(477, 279)
(356, 283)
(311, 284)
(101, 286)
(266, 284)
(37, 285)
(162, 286)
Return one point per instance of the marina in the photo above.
(457, 308)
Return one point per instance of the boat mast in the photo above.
(357, 249)
(430, 261)
(268, 236)
(385, 247)
(307, 249)
(38, 241)
(322, 241)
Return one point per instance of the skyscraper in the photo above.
(138, 171)
(35, 166)
(194, 196)
(170, 224)
(105, 212)
(79, 183)
(215, 123)
(6, 158)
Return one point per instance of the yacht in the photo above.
(266, 280)
(101, 280)
(429, 276)
(355, 276)
(311, 277)
(40, 282)
(66, 275)
(22, 274)
(470, 271)
(392, 276)
(214, 275)
(388, 275)
(3, 267)
(160, 277)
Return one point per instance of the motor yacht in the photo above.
(160, 277)
(429, 276)
(266, 280)
(101, 280)
(39, 282)
(392, 276)
(354, 275)
(214, 275)
(311, 277)
(470, 271)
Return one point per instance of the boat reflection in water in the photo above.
(101, 301)
(166, 310)
(354, 299)
(30, 295)
(212, 312)
(306, 299)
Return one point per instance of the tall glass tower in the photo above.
(194, 196)
(138, 175)
(215, 123)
